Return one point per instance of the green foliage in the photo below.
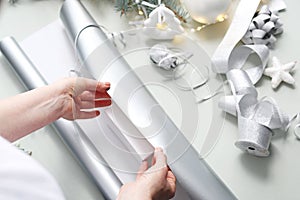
(179, 10)
(125, 6)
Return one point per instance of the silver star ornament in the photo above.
(279, 72)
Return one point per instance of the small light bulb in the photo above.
(141, 12)
(221, 18)
(162, 26)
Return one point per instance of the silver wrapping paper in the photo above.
(94, 49)
(105, 178)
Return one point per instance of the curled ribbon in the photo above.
(263, 28)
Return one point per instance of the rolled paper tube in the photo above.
(82, 25)
(254, 138)
(241, 82)
(192, 172)
(21, 64)
(106, 180)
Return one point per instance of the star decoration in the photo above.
(279, 72)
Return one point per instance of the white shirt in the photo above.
(21, 177)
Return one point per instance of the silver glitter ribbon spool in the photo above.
(253, 138)
(256, 119)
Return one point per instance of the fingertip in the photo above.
(171, 176)
(158, 149)
(103, 85)
(97, 113)
(159, 157)
(107, 84)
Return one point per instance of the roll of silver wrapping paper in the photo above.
(103, 175)
(192, 172)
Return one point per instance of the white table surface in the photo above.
(274, 177)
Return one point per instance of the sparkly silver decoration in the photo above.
(256, 118)
(168, 59)
(263, 28)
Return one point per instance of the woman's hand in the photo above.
(156, 183)
(81, 95)
(70, 98)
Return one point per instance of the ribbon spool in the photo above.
(253, 138)
(256, 118)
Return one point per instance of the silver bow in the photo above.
(167, 59)
(263, 28)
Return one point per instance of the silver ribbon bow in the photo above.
(263, 28)
(164, 58)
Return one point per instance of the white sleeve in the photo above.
(21, 177)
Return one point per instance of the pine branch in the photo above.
(179, 10)
(124, 6)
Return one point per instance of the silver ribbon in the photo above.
(256, 118)
(236, 31)
(263, 28)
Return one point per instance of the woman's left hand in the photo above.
(82, 96)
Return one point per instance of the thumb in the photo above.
(142, 169)
(159, 163)
(159, 158)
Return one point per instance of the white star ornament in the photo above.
(279, 72)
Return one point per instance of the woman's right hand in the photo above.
(157, 183)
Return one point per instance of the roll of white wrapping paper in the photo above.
(94, 49)
(103, 175)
